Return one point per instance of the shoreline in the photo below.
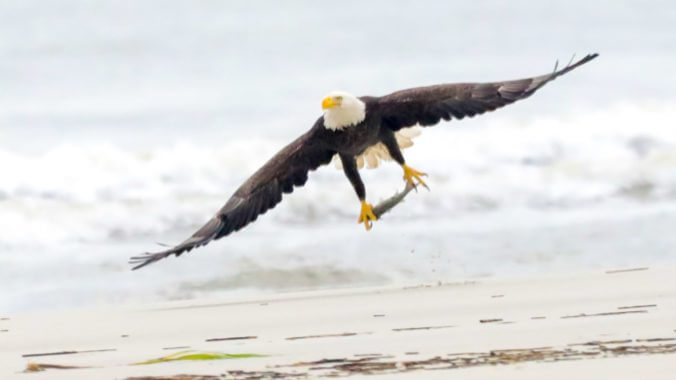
(618, 320)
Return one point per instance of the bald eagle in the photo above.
(356, 129)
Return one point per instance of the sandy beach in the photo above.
(617, 323)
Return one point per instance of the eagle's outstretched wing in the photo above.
(262, 191)
(428, 105)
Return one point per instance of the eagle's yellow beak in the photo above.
(329, 102)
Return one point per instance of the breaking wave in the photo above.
(102, 192)
(73, 214)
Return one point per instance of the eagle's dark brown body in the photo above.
(384, 116)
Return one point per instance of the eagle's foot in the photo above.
(411, 176)
(367, 216)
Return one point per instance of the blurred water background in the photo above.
(126, 123)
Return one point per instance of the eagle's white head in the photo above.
(342, 110)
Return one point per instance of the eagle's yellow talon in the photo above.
(411, 174)
(367, 216)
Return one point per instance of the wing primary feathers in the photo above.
(211, 229)
(571, 60)
(571, 66)
(261, 192)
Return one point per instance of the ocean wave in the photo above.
(99, 191)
